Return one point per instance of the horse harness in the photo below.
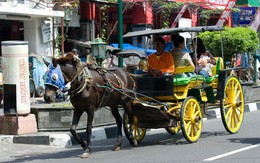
(83, 74)
(109, 86)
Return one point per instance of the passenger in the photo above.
(186, 50)
(181, 58)
(202, 53)
(205, 66)
(160, 62)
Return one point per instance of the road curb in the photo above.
(65, 139)
(60, 139)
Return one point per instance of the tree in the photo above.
(166, 8)
(235, 40)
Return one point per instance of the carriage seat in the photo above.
(180, 78)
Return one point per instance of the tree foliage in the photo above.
(235, 40)
(166, 10)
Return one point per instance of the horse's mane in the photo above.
(68, 57)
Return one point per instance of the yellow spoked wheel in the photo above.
(232, 105)
(137, 132)
(191, 119)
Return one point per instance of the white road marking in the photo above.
(230, 153)
(252, 107)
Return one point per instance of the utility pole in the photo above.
(120, 30)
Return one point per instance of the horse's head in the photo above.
(60, 71)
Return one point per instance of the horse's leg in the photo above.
(76, 117)
(118, 118)
(89, 132)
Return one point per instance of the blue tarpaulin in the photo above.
(131, 47)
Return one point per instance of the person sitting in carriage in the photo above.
(204, 61)
(181, 58)
(161, 62)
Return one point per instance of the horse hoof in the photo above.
(117, 148)
(85, 155)
(135, 142)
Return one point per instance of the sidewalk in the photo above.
(65, 139)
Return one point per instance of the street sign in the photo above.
(244, 17)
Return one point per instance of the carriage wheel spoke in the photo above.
(233, 120)
(238, 109)
(227, 105)
(238, 94)
(236, 89)
(229, 112)
(236, 116)
(187, 119)
(197, 113)
(188, 128)
(139, 131)
(228, 117)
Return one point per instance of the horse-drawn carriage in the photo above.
(174, 102)
(179, 102)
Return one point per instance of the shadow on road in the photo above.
(252, 141)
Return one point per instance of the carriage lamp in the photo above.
(98, 50)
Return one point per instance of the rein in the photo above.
(109, 84)
(123, 90)
(82, 86)
(80, 70)
(86, 76)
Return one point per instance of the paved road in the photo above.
(215, 144)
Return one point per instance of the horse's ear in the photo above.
(55, 62)
(45, 62)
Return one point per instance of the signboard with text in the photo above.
(47, 32)
(244, 17)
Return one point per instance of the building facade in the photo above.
(30, 21)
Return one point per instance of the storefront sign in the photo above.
(244, 17)
(47, 32)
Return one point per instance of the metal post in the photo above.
(53, 38)
(120, 30)
(62, 36)
(255, 68)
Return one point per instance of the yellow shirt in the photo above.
(165, 62)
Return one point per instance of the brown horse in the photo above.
(93, 88)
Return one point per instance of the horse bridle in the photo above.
(87, 79)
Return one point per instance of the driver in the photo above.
(160, 62)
